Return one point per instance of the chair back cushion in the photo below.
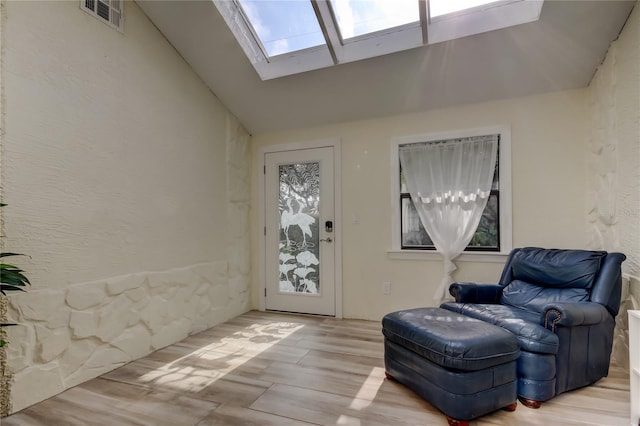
(534, 297)
(540, 276)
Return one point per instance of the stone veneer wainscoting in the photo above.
(73, 334)
(614, 168)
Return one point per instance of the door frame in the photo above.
(336, 144)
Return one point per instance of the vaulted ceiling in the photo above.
(560, 51)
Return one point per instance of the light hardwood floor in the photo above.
(275, 369)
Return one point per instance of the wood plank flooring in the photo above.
(275, 369)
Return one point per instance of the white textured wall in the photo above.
(127, 184)
(548, 137)
(614, 165)
(5, 374)
(614, 173)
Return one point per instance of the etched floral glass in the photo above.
(299, 197)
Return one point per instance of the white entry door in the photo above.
(299, 215)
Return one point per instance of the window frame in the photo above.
(504, 194)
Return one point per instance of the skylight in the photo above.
(283, 26)
(283, 37)
(359, 17)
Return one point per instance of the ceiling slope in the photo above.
(560, 51)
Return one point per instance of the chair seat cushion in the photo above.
(449, 339)
(524, 324)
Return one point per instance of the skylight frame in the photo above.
(269, 67)
(471, 9)
(479, 19)
(368, 45)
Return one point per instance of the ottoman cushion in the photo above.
(449, 339)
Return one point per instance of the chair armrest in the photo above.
(475, 293)
(573, 314)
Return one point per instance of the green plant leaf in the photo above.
(9, 287)
(11, 254)
(16, 273)
(13, 278)
(6, 287)
(6, 266)
(2, 343)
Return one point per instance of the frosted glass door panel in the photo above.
(299, 227)
(299, 252)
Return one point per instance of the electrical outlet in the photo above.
(386, 288)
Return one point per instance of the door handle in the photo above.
(328, 239)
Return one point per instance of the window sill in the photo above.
(434, 256)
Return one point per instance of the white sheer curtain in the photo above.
(450, 182)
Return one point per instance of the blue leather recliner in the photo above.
(561, 306)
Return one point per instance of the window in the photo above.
(288, 37)
(494, 231)
(108, 11)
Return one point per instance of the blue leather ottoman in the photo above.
(463, 366)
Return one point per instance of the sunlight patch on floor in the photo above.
(184, 373)
(368, 390)
(348, 421)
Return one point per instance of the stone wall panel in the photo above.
(155, 313)
(51, 343)
(135, 341)
(84, 324)
(76, 354)
(110, 322)
(171, 333)
(115, 317)
(36, 382)
(21, 347)
(137, 295)
(81, 297)
(38, 305)
(127, 282)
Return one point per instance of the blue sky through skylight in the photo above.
(284, 26)
(359, 17)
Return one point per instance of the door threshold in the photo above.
(299, 313)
